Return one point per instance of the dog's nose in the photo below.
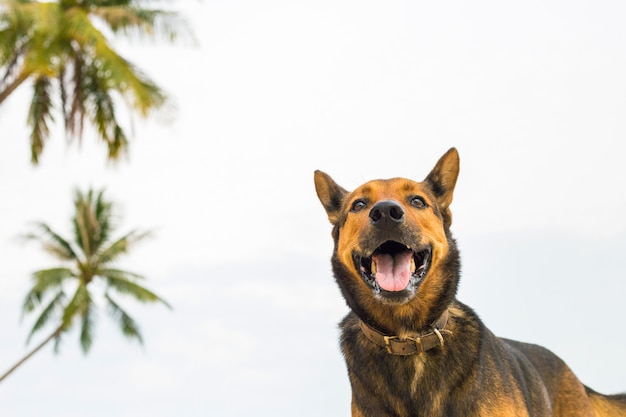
(386, 211)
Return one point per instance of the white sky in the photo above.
(533, 95)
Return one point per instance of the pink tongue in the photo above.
(393, 272)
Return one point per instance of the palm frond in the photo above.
(45, 280)
(89, 221)
(92, 220)
(141, 93)
(131, 276)
(52, 242)
(128, 326)
(57, 341)
(98, 71)
(63, 95)
(12, 50)
(141, 22)
(121, 246)
(73, 83)
(39, 116)
(119, 281)
(87, 326)
(82, 223)
(28, 42)
(102, 111)
(79, 303)
(119, 143)
(113, 71)
(17, 26)
(12, 32)
(43, 41)
(54, 305)
(103, 210)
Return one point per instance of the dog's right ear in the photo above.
(442, 180)
(330, 194)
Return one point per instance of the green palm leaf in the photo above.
(102, 114)
(83, 222)
(131, 276)
(103, 211)
(79, 303)
(121, 75)
(87, 325)
(45, 280)
(40, 115)
(128, 326)
(121, 246)
(54, 305)
(53, 243)
(119, 281)
(92, 221)
(140, 22)
(44, 31)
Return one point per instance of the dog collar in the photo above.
(409, 345)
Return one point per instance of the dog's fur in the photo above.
(473, 372)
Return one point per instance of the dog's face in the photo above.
(391, 236)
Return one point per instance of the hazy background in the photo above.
(533, 95)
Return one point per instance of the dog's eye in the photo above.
(418, 202)
(358, 205)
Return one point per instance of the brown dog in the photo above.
(411, 348)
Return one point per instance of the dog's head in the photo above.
(393, 249)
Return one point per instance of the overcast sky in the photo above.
(532, 94)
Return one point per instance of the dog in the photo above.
(410, 347)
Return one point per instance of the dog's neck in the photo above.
(409, 345)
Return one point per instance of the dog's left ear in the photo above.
(442, 180)
(330, 194)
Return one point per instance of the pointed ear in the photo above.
(330, 194)
(442, 180)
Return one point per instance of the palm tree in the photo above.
(87, 257)
(59, 47)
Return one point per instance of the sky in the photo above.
(533, 96)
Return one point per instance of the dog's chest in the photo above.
(391, 385)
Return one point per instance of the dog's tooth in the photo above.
(413, 267)
(373, 268)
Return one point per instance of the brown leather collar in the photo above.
(412, 344)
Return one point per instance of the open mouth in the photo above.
(394, 267)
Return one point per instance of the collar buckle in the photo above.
(388, 340)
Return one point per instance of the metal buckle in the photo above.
(418, 344)
(388, 340)
(439, 336)
(404, 345)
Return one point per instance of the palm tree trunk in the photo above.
(54, 334)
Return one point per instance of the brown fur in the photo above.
(474, 373)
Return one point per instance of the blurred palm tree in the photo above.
(60, 47)
(88, 256)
